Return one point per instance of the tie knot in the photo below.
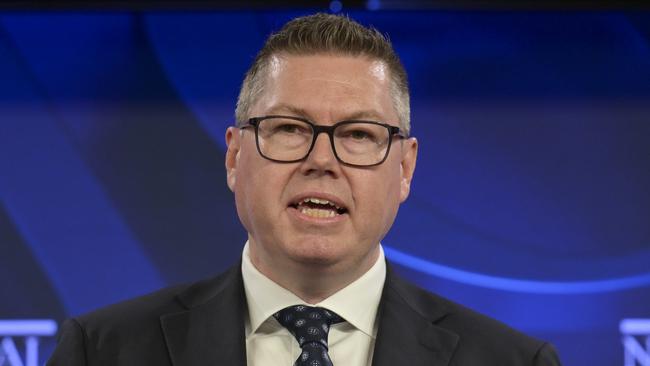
(307, 323)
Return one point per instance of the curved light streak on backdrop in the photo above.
(512, 284)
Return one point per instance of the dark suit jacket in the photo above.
(203, 324)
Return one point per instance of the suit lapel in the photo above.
(407, 332)
(211, 330)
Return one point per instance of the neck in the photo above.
(311, 281)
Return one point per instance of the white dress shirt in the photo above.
(351, 343)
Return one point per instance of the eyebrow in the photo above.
(300, 112)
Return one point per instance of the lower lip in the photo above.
(316, 220)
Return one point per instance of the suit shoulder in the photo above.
(140, 316)
(478, 334)
(135, 310)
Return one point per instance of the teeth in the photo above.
(320, 202)
(315, 212)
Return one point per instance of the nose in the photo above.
(321, 158)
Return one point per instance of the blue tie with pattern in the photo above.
(310, 326)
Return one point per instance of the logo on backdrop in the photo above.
(636, 341)
(20, 339)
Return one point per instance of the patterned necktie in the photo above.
(310, 326)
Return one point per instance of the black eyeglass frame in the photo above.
(318, 129)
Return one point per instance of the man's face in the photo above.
(324, 89)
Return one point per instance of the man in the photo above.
(319, 163)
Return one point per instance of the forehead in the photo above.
(327, 86)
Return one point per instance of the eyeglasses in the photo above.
(286, 139)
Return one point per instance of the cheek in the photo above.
(390, 200)
(242, 212)
(247, 187)
(377, 198)
(259, 194)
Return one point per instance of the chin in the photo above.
(317, 253)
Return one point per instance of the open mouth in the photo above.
(318, 207)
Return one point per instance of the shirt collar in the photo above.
(357, 303)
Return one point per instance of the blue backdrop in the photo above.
(531, 199)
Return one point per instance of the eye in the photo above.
(358, 134)
(290, 128)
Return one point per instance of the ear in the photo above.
(407, 166)
(233, 141)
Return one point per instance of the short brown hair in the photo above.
(326, 33)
